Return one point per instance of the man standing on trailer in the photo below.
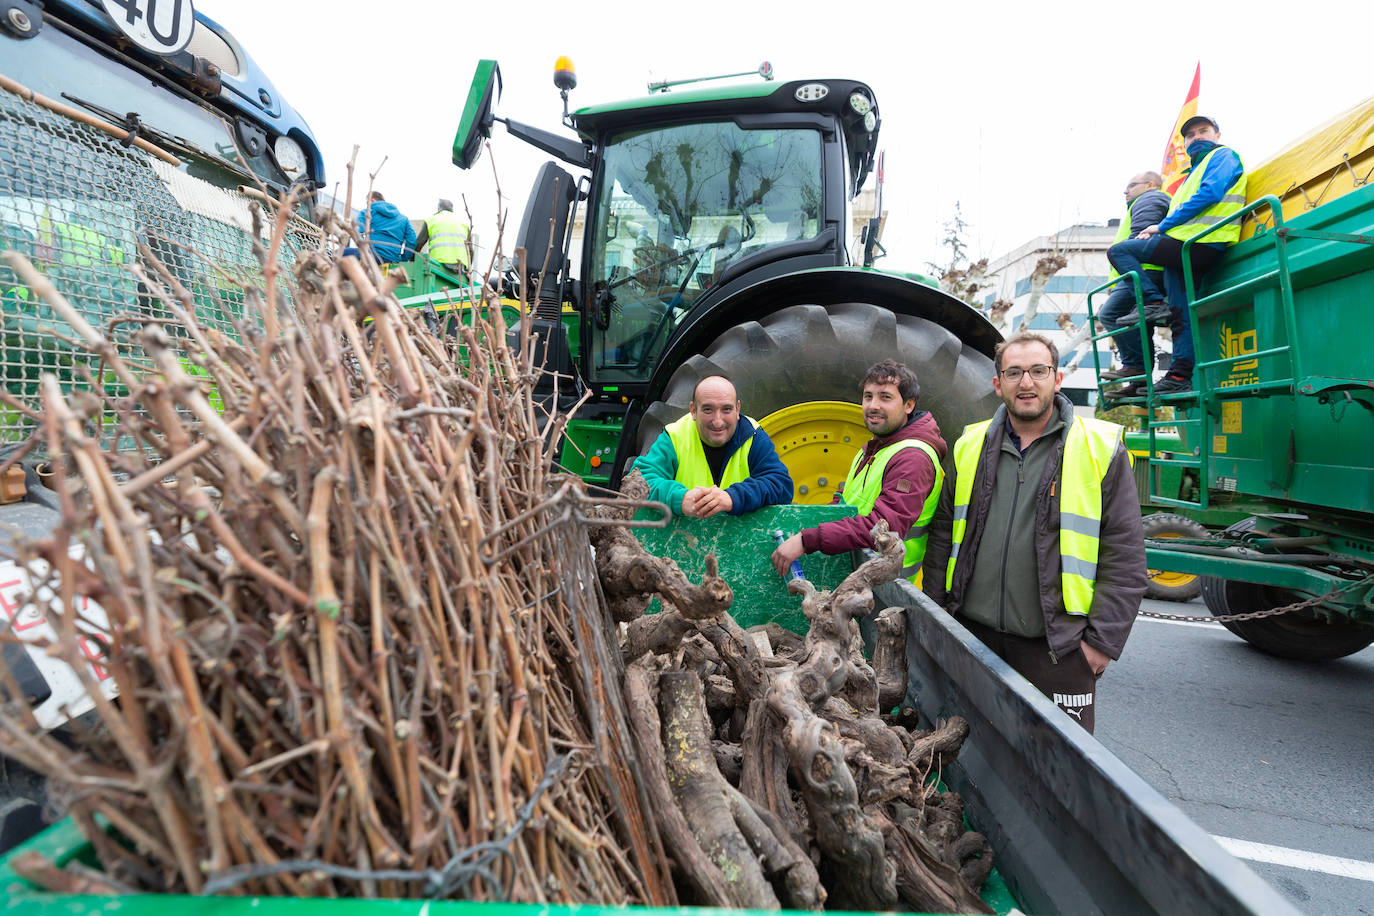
(896, 476)
(1213, 190)
(714, 459)
(448, 238)
(1036, 546)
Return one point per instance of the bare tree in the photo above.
(997, 312)
(960, 278)
(1045, 268)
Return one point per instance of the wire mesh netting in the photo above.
(77, 203)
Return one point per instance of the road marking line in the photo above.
(1297, 858)
(1201, 622)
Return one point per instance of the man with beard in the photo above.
(1037, 546)
(896, 476)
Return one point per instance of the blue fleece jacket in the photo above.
(388, 231)
(1222, 172)
(768, 483)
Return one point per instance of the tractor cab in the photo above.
(679, 211)
(694, 195)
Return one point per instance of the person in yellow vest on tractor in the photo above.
(86, 265)
(714, 459)
(895, 476)
(1146, 205)
(1213, 190)
(1037, 546)
(448, 238)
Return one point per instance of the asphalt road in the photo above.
(1274, 756)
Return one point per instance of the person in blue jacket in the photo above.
(1212, 193)
(714, 459)
(387, 231)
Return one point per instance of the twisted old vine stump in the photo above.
(802, 767)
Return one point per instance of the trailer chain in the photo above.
(1257, 615)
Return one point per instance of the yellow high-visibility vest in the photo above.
(692, 469)
(1088, 453)
(82, 246)
(1229, 205)
(862, 489)
(1123, 232)
(448, 238)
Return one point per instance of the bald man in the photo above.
(715, 459)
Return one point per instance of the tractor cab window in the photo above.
(677, 206)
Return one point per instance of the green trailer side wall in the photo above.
(743, 546)
(63, 842)
(1298, 450)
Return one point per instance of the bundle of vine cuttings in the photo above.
(353, 628)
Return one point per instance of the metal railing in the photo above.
(77, 204)
(1206, 394)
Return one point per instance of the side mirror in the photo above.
(475, 125)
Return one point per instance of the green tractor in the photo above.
(716, 242)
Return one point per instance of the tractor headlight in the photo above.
(862, 106)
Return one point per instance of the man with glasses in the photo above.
(1213, 191)
(1036, 545)
(1146, 205)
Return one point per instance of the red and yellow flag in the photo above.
(1175, 153)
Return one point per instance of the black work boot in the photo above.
(1173, 383)
(1129, 390)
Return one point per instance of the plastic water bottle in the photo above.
(794, 571)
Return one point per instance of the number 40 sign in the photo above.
(160, 26)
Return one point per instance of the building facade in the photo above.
(1062, 311)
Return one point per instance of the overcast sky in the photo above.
(1031, 116)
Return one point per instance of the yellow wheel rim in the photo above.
(817, 440)
(1165, 578)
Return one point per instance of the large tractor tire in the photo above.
(1165, 585)
(1300, 635)
(811, 353)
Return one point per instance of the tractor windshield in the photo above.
(677, 206)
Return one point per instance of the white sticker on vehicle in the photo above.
(22, 613)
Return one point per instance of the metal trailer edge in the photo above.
(1074, 829)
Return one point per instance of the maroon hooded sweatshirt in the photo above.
(907, 482)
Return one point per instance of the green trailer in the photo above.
(1276, 441)
(1073, 829)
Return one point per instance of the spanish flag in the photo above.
(1176, 161)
